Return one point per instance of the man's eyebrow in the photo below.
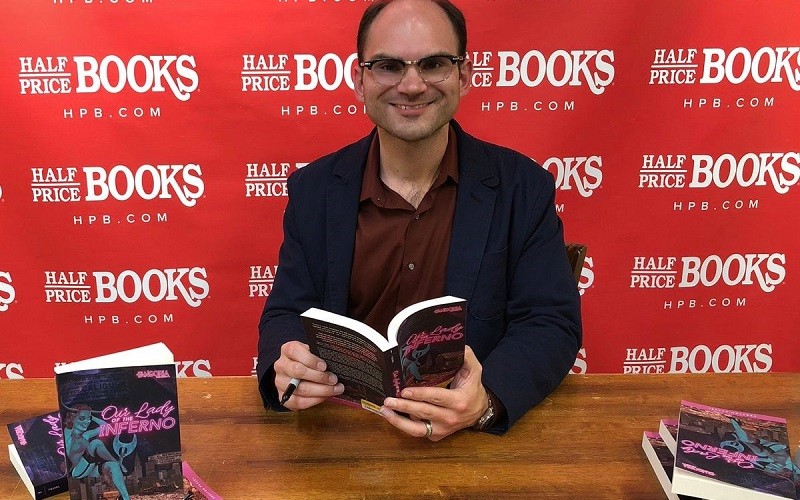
(382, 56)
(389, 56)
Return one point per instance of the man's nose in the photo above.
(412, 81)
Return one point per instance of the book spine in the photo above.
(51, 488)
(732, 413)
(393, 379)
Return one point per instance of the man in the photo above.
(416, 210)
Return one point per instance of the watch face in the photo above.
(488, 417)
(485, 418)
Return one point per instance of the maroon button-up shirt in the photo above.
(400, 252)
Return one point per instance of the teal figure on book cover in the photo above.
(769, 455)
(89, 455)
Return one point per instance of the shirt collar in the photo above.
(372, 186)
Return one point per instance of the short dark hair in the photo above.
(454, 15)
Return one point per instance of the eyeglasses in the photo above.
(432, 69)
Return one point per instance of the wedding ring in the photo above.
(428, 428)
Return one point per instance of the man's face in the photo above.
(412, 110)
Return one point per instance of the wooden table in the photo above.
(583, 442)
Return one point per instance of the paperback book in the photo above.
(424, 346)
(194, 488)
(732, 454)
(121, 427)
(668, 430)
(662, 461)
(37, 453)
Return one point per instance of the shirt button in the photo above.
(410, 266)
(416, 217)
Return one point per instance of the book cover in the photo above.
(731, 454)
(37, 453)
(121, 431)
(662, 461)
(194, 488)
(424, 346)
(668, 430)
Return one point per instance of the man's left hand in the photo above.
(446, 410)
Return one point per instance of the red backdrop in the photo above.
(146, 144)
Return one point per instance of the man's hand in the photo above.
(316, 384)
(447, 410)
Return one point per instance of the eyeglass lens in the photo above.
(432, 69)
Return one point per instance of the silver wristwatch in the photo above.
(488, 416)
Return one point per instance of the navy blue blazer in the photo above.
(506, 258)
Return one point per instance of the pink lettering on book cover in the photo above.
(431, 343)
(37, 453)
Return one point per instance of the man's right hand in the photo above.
(316, 384)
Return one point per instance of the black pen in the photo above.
(290, 390)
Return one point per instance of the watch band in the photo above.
(487, 419)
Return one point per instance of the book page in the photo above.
(153, 354)
(356, 361)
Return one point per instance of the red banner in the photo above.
(146, 145)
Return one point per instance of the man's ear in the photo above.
(465, 75)
(358, 82)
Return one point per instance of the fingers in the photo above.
(470, 358)
(448, 410)
(316, 384)
(299, 402)
(470, 372)
(444, 420)
(296, 361)
(415, 428)
(307, 393)
(309, 388)
(443, 408)
(433, 396)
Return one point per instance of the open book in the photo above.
(424, 346)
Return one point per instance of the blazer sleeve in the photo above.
(542, 317)
(292, 293)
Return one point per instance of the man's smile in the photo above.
(411, 106)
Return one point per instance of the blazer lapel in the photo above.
(471, 222)
(473, 217)
(341, 219)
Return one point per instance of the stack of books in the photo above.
(716, 453)
(116, 433)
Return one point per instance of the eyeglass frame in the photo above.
(368, 64)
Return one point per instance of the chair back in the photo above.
(576, 253)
